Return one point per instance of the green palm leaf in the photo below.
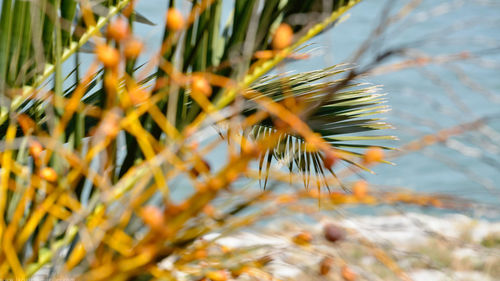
(340, 119)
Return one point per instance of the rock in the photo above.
(333, 233)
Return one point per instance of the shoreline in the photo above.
(423, 247)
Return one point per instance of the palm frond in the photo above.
(339, 120)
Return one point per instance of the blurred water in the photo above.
(423, 100)
(435, 96)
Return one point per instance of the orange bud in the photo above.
(373, 155)
(36, 149)
(250, 148)
(108, 55)
(329, 159)
(302, 238)
(133, 48)
(200, 85)
(193, 145)
(48, 174)
(138, 95)
(348, 274)
(359, 189)
(325, 266)
(175, 20)
(118, 30)
(215, 183)
(209, 210)
(152, 216)
(200, 254)
(110, 124)
(219, 275)
(26, 123)
(172, 210)
(283, 37)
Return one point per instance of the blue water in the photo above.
(423, 99)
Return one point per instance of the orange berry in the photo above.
(250, 148)
(118, 30)
(329, 159)
(348, 274)
(152, 216)
(200, 254)
(172, 210)
(283, 37)
(373, 155)
(209, 210)
(48, 174)
(138, 95)
(193, 145)
(108, 55)
(359, 189)
(133, 48)
(325, 266)
(175, 20)
(215, 183)
(26, 123)
(302, 238)
(200, 85)
(36, 149)
(110, 124)
(219, 275)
